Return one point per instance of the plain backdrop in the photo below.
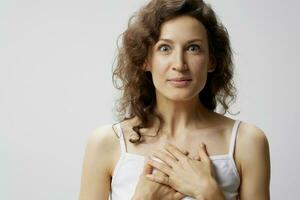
(55, 86)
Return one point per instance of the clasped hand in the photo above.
(191, 177)
(186, 176)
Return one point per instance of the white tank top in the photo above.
(129, 167)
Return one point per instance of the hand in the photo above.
(192, 177)
(146, 189)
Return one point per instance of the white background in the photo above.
(55, 86)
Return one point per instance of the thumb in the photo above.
(203, 152)
(178, 196)
(147, 168)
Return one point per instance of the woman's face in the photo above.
(179, 61)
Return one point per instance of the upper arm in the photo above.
(255, 164)
(97, 164)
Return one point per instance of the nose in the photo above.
(179, 63)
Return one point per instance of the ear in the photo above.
(211, 66)
(146, 67)
(211, 69)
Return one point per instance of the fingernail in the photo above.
(149, 176)
(147, 158)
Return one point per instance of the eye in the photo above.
(194, 48)
(164, 48)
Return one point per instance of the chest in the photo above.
(130, 166)
(217, 143)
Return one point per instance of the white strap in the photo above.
(121, 138)
(233, 137)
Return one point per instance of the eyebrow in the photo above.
(189, 41)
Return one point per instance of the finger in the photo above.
(203, 153)
(165, 157)
(162, 179)
(196, 158)
(147, 168)
(156, 171)
(185, 152)
(160, 166)
(178, 196)
(175, 151)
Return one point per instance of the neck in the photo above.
(181, 116)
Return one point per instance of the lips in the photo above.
(180, 82)
(180, 79)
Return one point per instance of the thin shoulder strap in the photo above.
(121, 138)
(233, 137)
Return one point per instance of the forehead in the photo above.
(181, 28)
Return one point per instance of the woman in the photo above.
(175, 66)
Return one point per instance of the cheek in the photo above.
(200, 63)
(159, 66)
(198, 69)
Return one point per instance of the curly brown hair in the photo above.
(138, 97)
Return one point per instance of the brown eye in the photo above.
(164, 48)
(194, 48)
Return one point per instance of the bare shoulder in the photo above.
(252, 148)
(99, 159)
(251, 136)
(103, 144)
(103, 135)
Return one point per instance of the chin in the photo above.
(181, 97)
(178, 96)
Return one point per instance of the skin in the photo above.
(187, 124)
(192, 177)
(148, 188)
